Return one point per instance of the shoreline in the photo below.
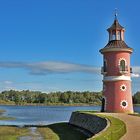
(50, 104)
(59, 104)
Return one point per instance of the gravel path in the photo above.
(132, 125)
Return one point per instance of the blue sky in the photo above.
(53, 45)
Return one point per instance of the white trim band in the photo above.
(117, 78)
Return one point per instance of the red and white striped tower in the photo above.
(116, 72)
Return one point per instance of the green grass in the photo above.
(61, 131)
(12, 133)
(115, 131)
(2, 102)
(6, 118)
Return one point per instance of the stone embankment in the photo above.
(89, 122)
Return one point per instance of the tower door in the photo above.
(103, 105)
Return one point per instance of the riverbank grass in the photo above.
(5, 117)
(12, 133)
(61, 131)
(2, 111)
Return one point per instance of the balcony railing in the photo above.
(123, 69)
(103, 71)
(131, 70)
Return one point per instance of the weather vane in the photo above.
(116, 13)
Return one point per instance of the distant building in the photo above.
(116, 72)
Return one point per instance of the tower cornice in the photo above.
(104, 50)
(116, 45)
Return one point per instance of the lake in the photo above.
(42, 115)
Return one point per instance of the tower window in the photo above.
(114, 36)
(124, 104)
(118, 35)
(123, 87)
(123, 65)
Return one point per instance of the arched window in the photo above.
(114, 36)
(119, 35)
(122, 65)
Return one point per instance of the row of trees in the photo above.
(136, 98)
(69, 97)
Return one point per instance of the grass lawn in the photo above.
(12, 133)
(115, 131)
(61, 131)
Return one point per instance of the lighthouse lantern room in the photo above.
(116, 72)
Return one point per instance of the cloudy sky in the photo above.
(53, 45)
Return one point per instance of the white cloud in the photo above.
(7, 82)
(135, 75)
(48, 67)
(136, 72)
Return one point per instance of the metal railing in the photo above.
(123, 69)
(131, 70)
(103, 71)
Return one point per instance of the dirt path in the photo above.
(132, 125)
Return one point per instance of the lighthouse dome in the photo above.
(116, 38)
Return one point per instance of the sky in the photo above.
(53, 45)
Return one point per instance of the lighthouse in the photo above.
(116, 70)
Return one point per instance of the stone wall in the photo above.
(90, 122)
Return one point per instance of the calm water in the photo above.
(27, 115)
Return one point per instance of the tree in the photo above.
(136, 98)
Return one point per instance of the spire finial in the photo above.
(116, 13)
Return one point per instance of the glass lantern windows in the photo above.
(116, 35)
